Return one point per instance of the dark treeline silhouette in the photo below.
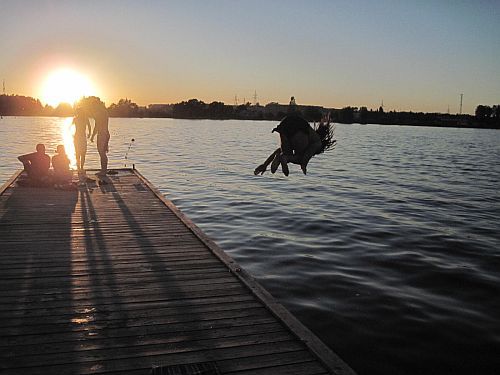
(15, 105)
(18, 105)
(488, 116)
(485, 116)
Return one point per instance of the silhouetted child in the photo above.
(60, 163)
(37, 166)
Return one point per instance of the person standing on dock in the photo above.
(82, 124)
(101, 118)
(97, 110)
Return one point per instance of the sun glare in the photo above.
(65, 86)
(68, 132)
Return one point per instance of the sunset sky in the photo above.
(413, 55)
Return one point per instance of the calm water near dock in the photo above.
(389, 249)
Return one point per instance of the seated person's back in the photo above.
(60, 162)
(36, 164)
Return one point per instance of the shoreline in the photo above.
(448, 124)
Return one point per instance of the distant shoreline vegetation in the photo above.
(485, 116)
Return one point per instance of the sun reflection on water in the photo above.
(67, 132)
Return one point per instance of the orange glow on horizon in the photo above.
(65, 86)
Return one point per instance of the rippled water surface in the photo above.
(389, 249)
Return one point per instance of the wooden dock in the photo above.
(113, 278)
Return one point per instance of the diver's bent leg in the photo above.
(308, 154)
(284, 168)
(275, 163)
(284, 164)
(262, 168)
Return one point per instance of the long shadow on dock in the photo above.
(105, 309)
(183, 303)
(35, 275)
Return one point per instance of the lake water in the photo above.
(389, 249)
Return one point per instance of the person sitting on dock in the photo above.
(36, 165)
(60, 163)
(299, 143)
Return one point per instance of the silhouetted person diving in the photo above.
(82, 125)
(299, 143)
(36, 166)
(97, 110)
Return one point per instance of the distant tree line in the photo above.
(363, 115)
(488, 116)
(485, 116)
(18, 105)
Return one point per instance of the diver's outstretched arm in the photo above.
(262, 168)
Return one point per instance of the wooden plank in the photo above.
(87, 347)
(10, 181)
(98, 300)
(108, 317)
(126, 333)
(191, 344)
(264, 361)
(81, 284)
(85, 311)
(309, 368)
(144, 363)
(77, 326)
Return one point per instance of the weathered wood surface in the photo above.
(115, 279)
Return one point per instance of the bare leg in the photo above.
(276, 162)
(104, 161)
(284, 164)
(102, 148)
(78, 156)
(262, 168)
(310, 151)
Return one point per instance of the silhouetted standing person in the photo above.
(82, 124)
(292, 106)
(101, 118)
(97, 110)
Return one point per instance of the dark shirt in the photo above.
(37, 164)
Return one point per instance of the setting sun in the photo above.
(65, 85)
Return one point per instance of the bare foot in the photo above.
(260, 169)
